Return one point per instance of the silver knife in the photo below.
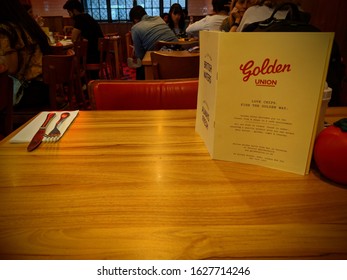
(37, 139)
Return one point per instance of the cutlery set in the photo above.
(52, 136)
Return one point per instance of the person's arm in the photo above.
(75, 35)
(236, 18)
(138, 48)
(197, 26)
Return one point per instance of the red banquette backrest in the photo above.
(143, 95)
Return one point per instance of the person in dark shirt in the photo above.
(85, 27)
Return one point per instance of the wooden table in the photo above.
(147, 61)
(141, 185)
(62, 49)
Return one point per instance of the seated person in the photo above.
(262, 10)
(237, 10)
(177, 21)
(146, 31)
(85, 27)
(211, 22)
(22, 46)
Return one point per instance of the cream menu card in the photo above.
(260, 95)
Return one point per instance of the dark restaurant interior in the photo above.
(136, 176)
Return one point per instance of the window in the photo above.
(118, 10)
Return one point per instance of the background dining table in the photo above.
(142, 185)
(62, 47)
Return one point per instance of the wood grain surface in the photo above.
(141, 185)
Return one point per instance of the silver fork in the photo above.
(55, 133)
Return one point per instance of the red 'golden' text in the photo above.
(249, 69)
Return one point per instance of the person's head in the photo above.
(74, 7)
(29, 10)
(13, 12)
(176, 16)
(220, 6)
(136, 14)
(165, 17)
(27, 6)
(241, 5)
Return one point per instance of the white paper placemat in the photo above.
(28, 132)
(66, 42)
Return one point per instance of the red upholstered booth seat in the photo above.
(143, 95)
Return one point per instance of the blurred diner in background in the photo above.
(262, 10)
(118, 45)
(23, 44)
(220, 12)
(85, 27)
(237, 10)
(146, 31)
(185, 18)
(177, 21)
